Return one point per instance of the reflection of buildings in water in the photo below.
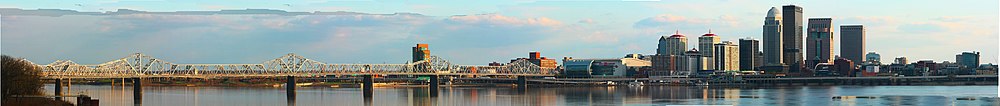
(421, 97)
(780, 95)
(542, 97)
(593, 96)
(732, 95)
(672, 94)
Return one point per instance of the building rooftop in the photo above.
(774, 12)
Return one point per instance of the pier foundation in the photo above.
(58, 89)
(367, 85)
(290, 87)
(137, 91)
(435, 84)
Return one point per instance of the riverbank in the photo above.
(34, 102)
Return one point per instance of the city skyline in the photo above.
(504, 34)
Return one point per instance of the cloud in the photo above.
(669, 20)
(586, 21)
(251, 36)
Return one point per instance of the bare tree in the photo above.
(20, 77)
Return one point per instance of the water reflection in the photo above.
(487, 96)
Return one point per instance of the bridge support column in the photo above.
(522, 83)
(137, 91)
(367, 87)
(290, 88)
(58, 90)
(435, 84)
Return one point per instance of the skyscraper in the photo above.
(749, 49)
(773, 62)
(852, 44)
(669, 55)
(791, 34)
(420, 52)
(672, 45)
(706, 45)
(819, 43)
(727, 56)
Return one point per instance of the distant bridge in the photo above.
(142, 66)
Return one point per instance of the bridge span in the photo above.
(137, 66)
(142, 66)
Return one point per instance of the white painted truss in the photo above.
(139, 65)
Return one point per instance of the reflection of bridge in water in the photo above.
(138, 66)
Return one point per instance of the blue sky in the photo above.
(466, 32)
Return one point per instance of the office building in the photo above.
(819, 42)
(791, 27)
(844, 67)
(749, 51)
(727, 56)
(421, 52)
(969, 60)
(706, 45)
(672, 45)
(852, 44)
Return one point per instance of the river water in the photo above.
(545, 96)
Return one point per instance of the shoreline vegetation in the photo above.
(22, 80)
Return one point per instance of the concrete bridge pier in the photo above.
(367, 86)
(290, 87)
(522, 83)
(435, 84)
(58, 89)
(137, 91)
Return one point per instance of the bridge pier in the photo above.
(137, 91)
(522, 83)
(290, 87)
(367, 87)
(435, 84)
(58, 90)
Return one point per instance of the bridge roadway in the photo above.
(137, 66)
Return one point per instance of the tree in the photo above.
(20, 77)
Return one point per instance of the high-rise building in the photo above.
(852, 44)
(969, 60)
(773, 39)
(537, 59)
(706, 45)
(727, 56)
(749, 51)
(672, 45)
(873, 58)
(900, 60)
(421, 52)
(696, 62)
(669, 55)
(791, 27)
(819, 43)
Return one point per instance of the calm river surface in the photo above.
(547, 96)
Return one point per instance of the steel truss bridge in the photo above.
(142, 66)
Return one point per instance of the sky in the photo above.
(463, 32)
